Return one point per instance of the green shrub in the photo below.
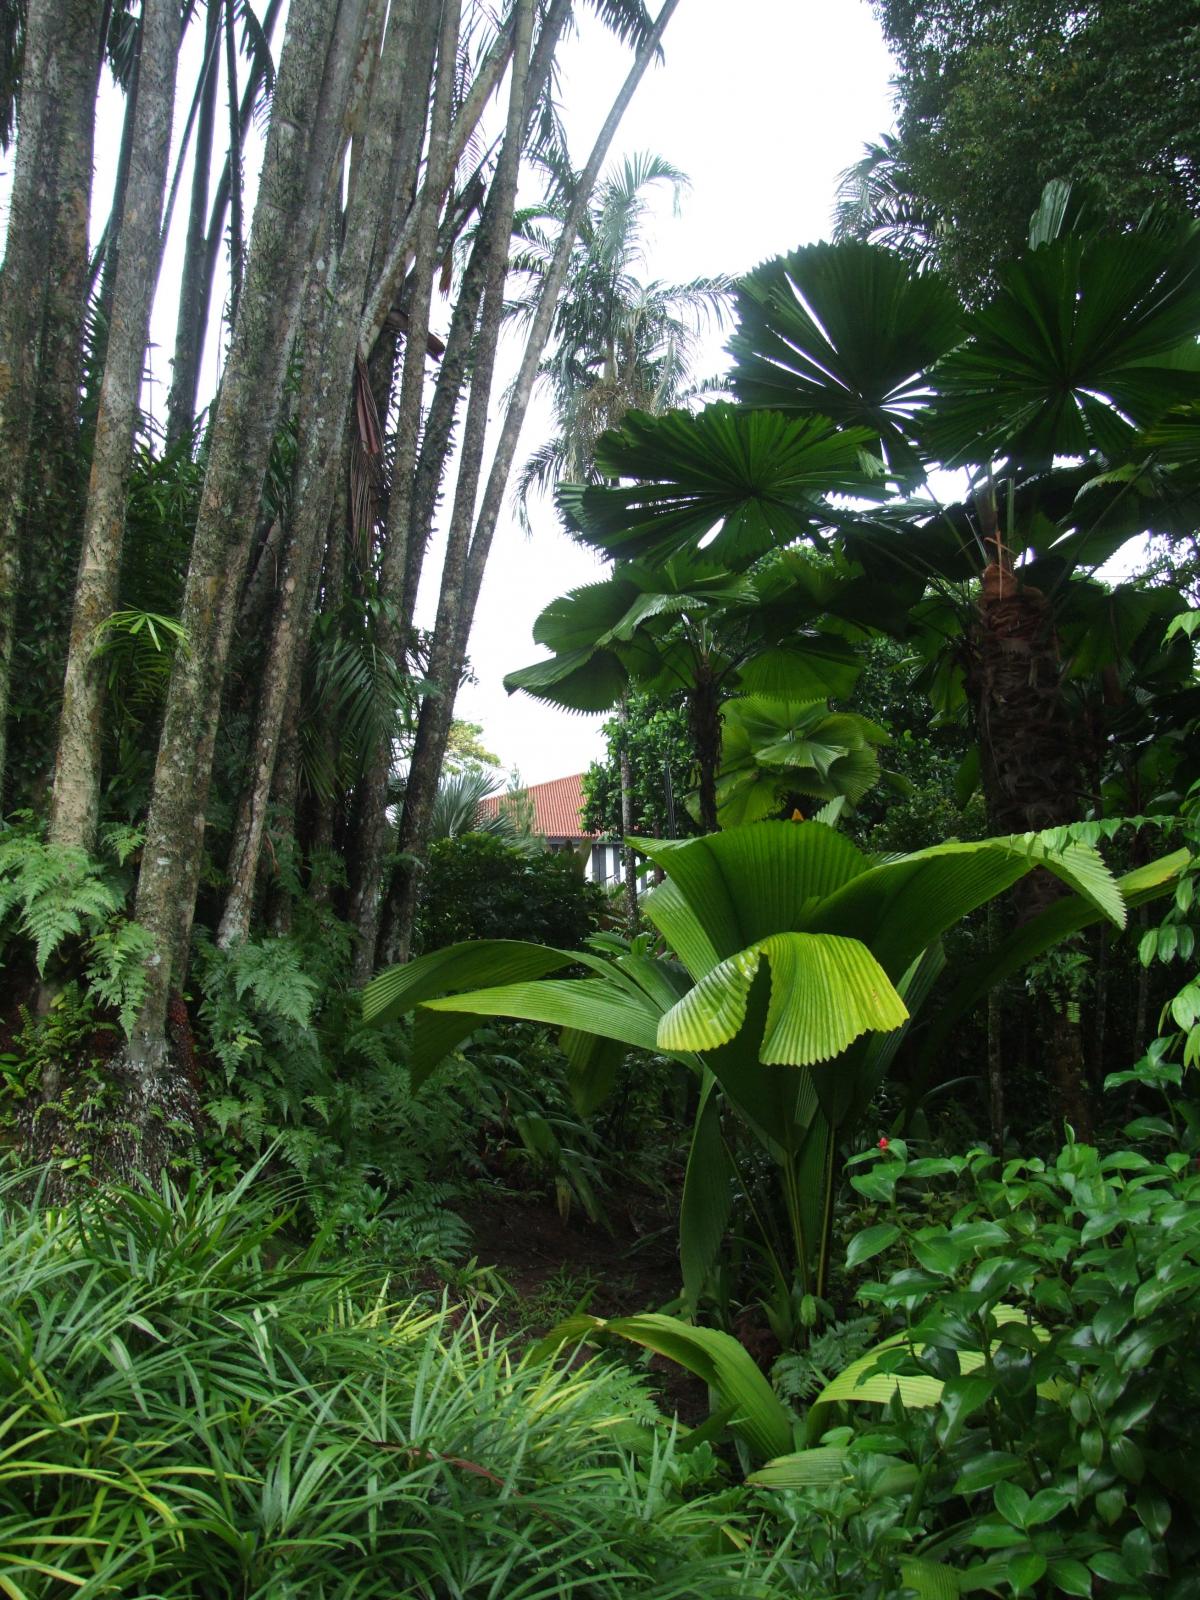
(478, 887)
(189, 1410)
(1030, 1426)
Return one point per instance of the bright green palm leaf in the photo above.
(811, 667)
(578, 680)
(903, 904)
(825, 992)
(847, 331)
(753, 480)
(747, 883)
(716, 1357)
(590, 1005)
(1075, 352)
(458, 966)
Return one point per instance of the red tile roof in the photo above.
(557, 807)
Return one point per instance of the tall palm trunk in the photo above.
(300, 165)
(368, 887)
(1030, 765)
(328, 380)
(75, 806)
(462, 580)
(189, 334)
(203, 250)
(43, 288)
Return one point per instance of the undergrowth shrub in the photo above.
(1028, 1427)
(191, 1409)
(478, 887)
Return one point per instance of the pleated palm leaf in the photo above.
(795, 962)
(777, 752)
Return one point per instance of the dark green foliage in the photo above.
(996, 100)
(924, 792)
(659, 742)
(478, 887)
(1042, 1437)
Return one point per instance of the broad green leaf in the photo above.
(931, 1579)
(459, 966)
(848, 331)
(716, 1357)
(707, 1195)
(1073, 352)
(870, 1242)
(591, 1005)
(825, 991)
(752, 480)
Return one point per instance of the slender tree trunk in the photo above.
(189, 331)
(329, 377)
(74, 810)
(628, 854)
(111, 246)
(304, 147)
(461, 583)
(236, 231)
(396, 266)
(367, 886)
(210, 255)
(704, 724)
(42, 291)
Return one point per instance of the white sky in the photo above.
(763, 114)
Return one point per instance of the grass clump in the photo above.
(191, 1407)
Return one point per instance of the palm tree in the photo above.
(619, 344)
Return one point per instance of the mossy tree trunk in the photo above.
(463, 573)
(43, 296)
(74, 810)
(301, 165)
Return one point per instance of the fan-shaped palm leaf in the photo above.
(735, 482)
(847, 331)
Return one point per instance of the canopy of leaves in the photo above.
(996, 100)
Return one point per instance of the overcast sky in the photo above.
(762, 104)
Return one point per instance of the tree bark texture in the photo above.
(367, 887)
(189, 331)
(304, 144)
(200, 262)
(37, 285)
(1030, 764)
(328, 379)
(421, 785)
(462, 579)
(628, 854)
(704, 725)
(74, 810)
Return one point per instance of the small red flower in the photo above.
(883, 1143)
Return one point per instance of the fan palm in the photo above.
(850, 943)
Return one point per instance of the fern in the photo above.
(60, 892)
(116, 969)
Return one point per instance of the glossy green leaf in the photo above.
(716, 1357)
(458, 966)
